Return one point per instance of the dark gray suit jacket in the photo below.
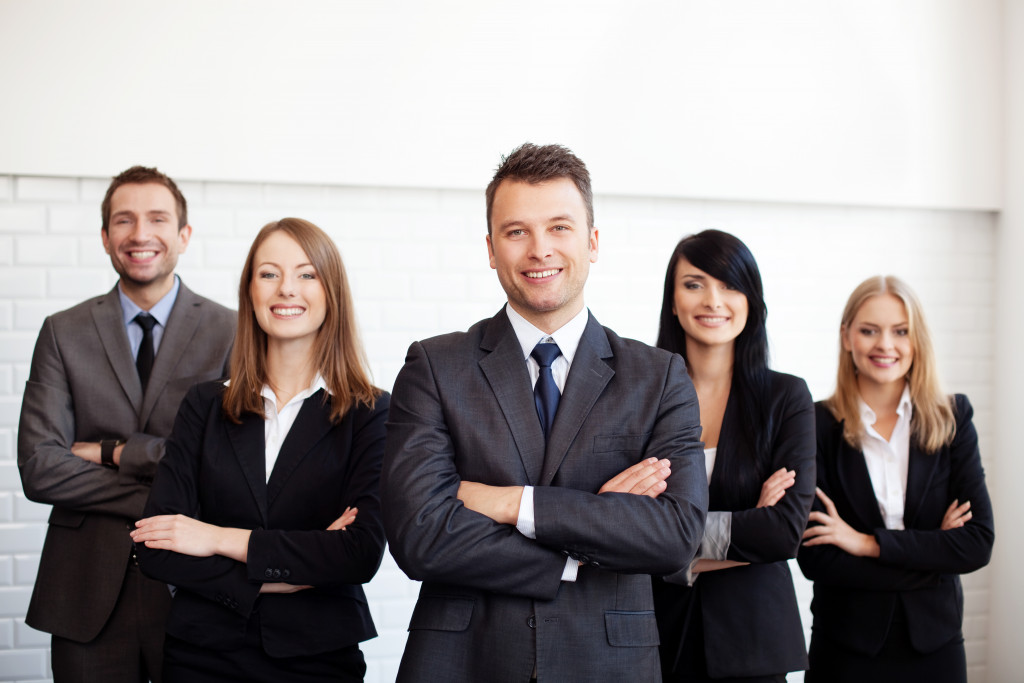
(83, 386)
(492, 604)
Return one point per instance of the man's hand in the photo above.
(646, 478)
(500, 503)
(90, 451)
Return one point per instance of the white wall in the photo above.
(879, 102)
(418, 264)
(838, 139)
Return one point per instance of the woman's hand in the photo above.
(956, 515)
(774, 487)
(347, 517)
(832, 530)
(281, 588)
(188, 536)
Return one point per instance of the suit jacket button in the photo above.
(277, 573)
(285, 574)
(532, 621)
(269, 573)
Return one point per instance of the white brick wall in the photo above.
(418, 265)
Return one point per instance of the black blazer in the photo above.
(214, 470)
(855, 597)
(749, 614)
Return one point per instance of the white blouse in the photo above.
(888, 461)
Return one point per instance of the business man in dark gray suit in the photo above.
(106, 380)
(538, 466)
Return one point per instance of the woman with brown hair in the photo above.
(265, 512)
(902, 510)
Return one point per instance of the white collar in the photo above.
(567, 336)
(905, 407)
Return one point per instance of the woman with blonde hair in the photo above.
(265, 511)
(902, 510)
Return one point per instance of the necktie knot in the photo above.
(545, 353)
(145, 321)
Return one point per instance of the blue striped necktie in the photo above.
(545, 392)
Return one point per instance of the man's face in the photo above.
(143, 238)
(542, 248)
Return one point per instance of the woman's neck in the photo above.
(290, 368)
(710, 367)
(883, 399)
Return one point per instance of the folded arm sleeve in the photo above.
(176, 491)
(773, 533)
(432, 536)
(50, 473)
(638, 534)
(320, 557)
(953, 551)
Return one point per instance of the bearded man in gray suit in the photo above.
(106, 380)
(533, 489)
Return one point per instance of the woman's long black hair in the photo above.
(726, 258)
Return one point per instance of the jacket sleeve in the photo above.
(623, 532)
(774, 533)
(176, 491)
(953, 551)
(50, 473)
(432, 536)
(322, 558)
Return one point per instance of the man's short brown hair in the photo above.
(530, 163)
(140, 175)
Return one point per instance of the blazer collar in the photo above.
(310, 426)
(505, 369)
(855, 480)
(107, 318)
(248, 440)
(179, 332)
(589, 374)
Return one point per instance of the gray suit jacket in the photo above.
(83, 386)
(492, 604)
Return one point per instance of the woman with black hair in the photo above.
(733, 614)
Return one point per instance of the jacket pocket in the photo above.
(66, 518)
(631, 629)
(437, 613)
(620, 442)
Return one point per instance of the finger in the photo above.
(656, 477)
(815, 531)
(819, 517)
(631, 472)
(966, 518)
(829, 505)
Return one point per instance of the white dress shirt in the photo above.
(568, 339)
(888, 461)
(278, 422)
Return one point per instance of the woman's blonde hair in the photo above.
(337, 352)
(933, 423)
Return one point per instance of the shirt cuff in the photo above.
(717, 536)
(572, 567)
(525, 523)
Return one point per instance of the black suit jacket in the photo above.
(214, 470)
(83, 386)
(750, 617)
(492, 604)
(919, 567)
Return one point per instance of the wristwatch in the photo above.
(107, 447)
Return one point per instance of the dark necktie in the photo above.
(545, 392)
(144, 361)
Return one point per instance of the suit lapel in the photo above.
(588, 376)
(920, 471)
(108, 318)
(310, 426)
(505, 369)
(181, 328)
(855, 480)
(249, 444)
